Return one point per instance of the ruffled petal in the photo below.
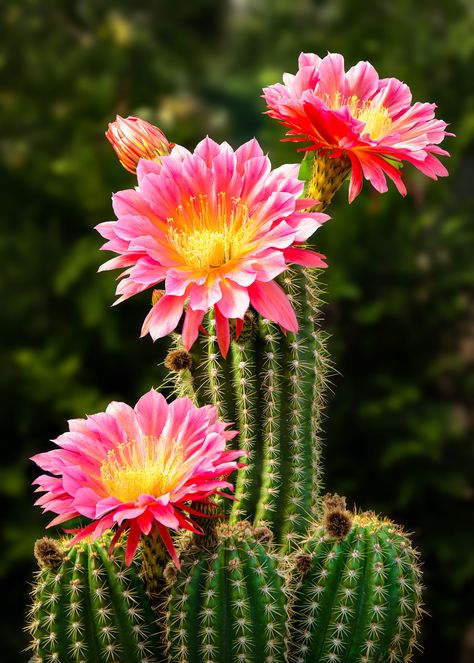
(163, 317)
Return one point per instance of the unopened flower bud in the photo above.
(134, 139)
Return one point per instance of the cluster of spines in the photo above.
(228, 604)
(356, 600)
(91, 608)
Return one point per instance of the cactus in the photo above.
(356, 592)
(272, 386)
(346, 590)
(227, 604)
(89, 607)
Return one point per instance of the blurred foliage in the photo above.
(400, 285)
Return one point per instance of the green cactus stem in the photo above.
(227, 604)
(88, 607)
(272, 386)
(356, 588)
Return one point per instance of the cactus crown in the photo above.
(356, 598)
(228, 604)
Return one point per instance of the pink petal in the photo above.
(85, 502)
(119, 262)
(132, 542)
(178, 280)
(203, 297)
(192, 322)
(305, 257)
(106, 505)
(268, 266)
(361, 81)
(147, 166)
(151, 412)
(355, 185)
(128, 514)
(270, 300)
(207, 149)
(165, 515)
(145, 522)
(235, 300)
(222, 332)
(394, 95)
(163, 317)
(331, 75)
(239, 325)
(309, 60)
(125, 417)
(168, 541)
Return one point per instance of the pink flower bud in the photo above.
(134, 139)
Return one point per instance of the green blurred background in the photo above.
(400, 285)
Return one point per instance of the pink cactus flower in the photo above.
(134, 139)
(358, 116)
(217, 227)
(137, 468)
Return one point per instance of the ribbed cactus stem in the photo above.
(272, 385)
(245, 371)
(357, 592)
(228, 605)
(327, 176)
(302, 395)
(90, 608)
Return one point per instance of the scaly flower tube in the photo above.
(354, 116)
(218, 227)
(137, 468)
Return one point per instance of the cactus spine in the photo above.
(357, 598)
(271, 384)
(227, 602)
(90, 608)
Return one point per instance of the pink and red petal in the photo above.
(163, 317)
(271, 301)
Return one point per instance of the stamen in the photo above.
(375, 116)
(209, 234)
(149, 465)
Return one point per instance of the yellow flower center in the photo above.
(376, 117)
(209, 236)
(149, 465)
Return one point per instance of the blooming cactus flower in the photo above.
(134, 139)
(137, 468)
(360, 117)
(217, 226)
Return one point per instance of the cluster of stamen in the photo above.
(209, 234)
(145, 466)
(374, 115)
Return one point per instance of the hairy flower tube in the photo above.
(217, 226)
(133, 139)
(137, 468)
(358, 117)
